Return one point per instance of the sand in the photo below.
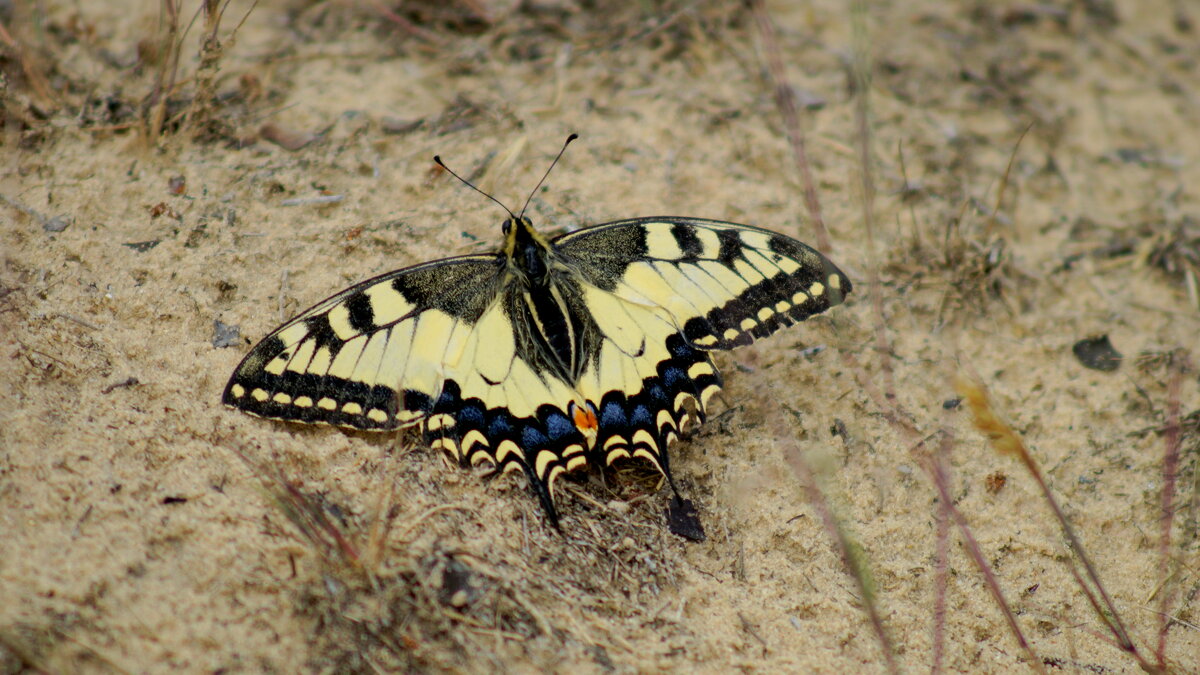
(146, 528)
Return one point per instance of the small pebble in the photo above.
(57, 224)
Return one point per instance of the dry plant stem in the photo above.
(31, 68)
(650, 32)
(862, 116)
(852, 561)
(991, 222)
(309, 518)
(164, 78)
(381, 525)
(941, 569)
(938, 472)
(406, 25)
(1005, 441)
(786, 101)
(206, 72)
(917, 239)
(888, 407)
(1171, 441)
(887, 402)
(202, 107)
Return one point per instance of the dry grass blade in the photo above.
(210, 57)
(203, 106)
(936, 468)
(992, 217)
(1172, 439)
(862, 112)
(406, 25)
(849, 551)
(31, 68)
(310, 518)
(941, 577)
(171, 44)
(786, 101)
(1005, 441)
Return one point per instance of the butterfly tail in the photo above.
(545, 498)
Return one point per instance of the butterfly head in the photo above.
(525, 248)
(526, 251)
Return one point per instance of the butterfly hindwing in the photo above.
(643, 386)
(647, 382)
(499, 408)
(371, 356)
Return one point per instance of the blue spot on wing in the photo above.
(472, 416)
(641, 418)
(532, 438)
(674, 378)
(499, 428)
(680, 349)
(558, 426)
(612, 415)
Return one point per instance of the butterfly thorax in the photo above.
(527, 253)
(545, 300)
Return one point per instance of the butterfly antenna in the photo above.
(438, 160)
(543, 180)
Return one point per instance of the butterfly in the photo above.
(549, 355)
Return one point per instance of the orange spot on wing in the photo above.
(585, 419)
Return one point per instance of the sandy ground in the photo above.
(145, 528)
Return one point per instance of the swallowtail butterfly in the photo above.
(548, 355)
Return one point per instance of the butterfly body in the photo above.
(549, 355)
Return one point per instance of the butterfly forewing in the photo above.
(723, 284)
(372, 356)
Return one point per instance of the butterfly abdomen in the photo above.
(557, 328)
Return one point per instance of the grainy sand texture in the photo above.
(1000, 180)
